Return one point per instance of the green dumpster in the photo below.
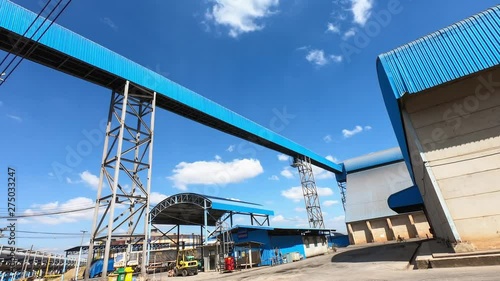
(121, 274)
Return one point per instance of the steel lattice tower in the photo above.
(342, 188)
(125, 176)
(310, 192)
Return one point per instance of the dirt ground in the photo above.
(385, 262)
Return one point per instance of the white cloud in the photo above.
(327, 138)
(110, 23)
(215, 172)
(231, 148)
(350, 33)
(319, 58)
(240, 16)
(278, 218)
(1, 103)
(321, 174)
(287, 173)
(329, 203)
(71, 204)
(335, 58)
(330, 27)
(331, 158)
(274, 178)
(303, 48)
(356, 130)
(50, 174)
(295, 193)
(361, 10)
(299, 209)
(283, 157)
(218, 158)
(90, 179)
(14, 117)
(156, 197)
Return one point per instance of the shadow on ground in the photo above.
(387, 252)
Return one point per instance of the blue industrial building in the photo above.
(276, 245)
(251, 245)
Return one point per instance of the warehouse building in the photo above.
(442, 93)
(382, 204)
(270, 245)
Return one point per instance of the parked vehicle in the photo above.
(186, 264)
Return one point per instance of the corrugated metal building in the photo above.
(382, 202)
(272, 244)
(442, 93)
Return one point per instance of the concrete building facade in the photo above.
(442, 93)
(382, 204)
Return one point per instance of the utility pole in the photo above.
(79, 255)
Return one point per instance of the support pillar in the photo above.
(125, 176)
(413, 228)
(391, 230)
(310, 192)
(370, 232)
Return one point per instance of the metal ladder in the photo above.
(225, 245)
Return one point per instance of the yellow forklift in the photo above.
(186, 264)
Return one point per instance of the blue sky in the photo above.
(314, 60)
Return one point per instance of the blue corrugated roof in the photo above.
(464, 48)
(456, 51)
(238, 206)
(375, 159)
(17, 19)
(264, 227)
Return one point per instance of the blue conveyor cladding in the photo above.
(17, 19)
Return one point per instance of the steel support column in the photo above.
(125, 176)
(342, 188)
(310, 192)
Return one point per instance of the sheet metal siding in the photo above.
(17, 19)
(373, 160)
(240, 208)
(456, 51)
(288, 244)
(261, 236)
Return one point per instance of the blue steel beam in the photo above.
(66, 51)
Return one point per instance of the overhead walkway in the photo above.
(66, 51)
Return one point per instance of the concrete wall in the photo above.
(314, 245)
(455, 131)
(406, 226)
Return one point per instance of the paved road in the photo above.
(375, 264)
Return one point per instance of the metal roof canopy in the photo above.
(66, 51)
(455, 52)
(283, 231)
(188, 209)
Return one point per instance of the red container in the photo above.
(229, 261)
